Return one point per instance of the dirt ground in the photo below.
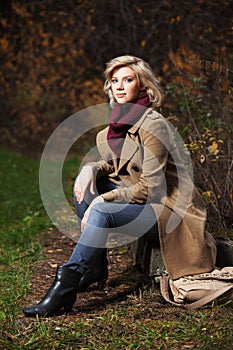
(210, 328)
(123, 278)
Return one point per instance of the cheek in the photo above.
(113, 90)
(135, 90)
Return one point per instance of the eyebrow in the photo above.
(127, 76)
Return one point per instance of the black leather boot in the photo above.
(93, 275)
(60, 297)
(97, 273)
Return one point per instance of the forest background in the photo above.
(53, 54)
(52, 57)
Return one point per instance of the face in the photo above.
(124, 85)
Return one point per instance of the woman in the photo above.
(139, 186)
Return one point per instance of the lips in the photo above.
(121, 95)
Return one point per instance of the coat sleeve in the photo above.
(151, 187)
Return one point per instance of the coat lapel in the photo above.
(129, 148)
(104, 148)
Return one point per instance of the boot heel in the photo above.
(68, 308)
(98, 276)
(101, 284)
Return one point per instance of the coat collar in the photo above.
(134, 128)
(129, 147)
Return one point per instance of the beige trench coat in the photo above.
(151, 169)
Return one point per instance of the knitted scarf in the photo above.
(122, 117)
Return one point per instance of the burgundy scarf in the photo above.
(122, 117)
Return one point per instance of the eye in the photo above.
(114, 81)
(128, 80)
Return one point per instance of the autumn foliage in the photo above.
(53, 54)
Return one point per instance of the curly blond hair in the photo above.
(144, 74)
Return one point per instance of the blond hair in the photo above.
(144, 74)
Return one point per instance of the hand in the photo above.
(84, 180)
(98, 199)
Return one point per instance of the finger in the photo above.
(92, 187)
(78, 192)
(82, 226)
(83, 223)
(76, 188)
(78, 196)
(80, 199)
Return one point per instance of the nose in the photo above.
(120, 85)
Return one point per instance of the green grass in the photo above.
(22, 218)
(140, 321)
(134, 324)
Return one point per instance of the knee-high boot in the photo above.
(60, 297)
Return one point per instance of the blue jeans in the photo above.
(126, 221)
